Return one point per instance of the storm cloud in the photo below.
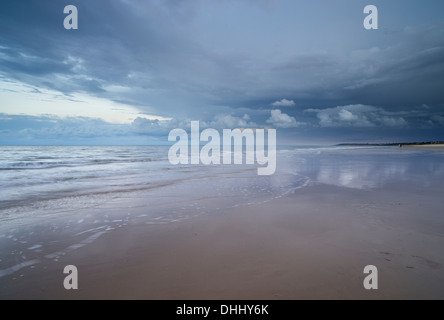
(302, 67)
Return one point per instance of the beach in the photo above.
(306, 233)
(232, 151)
(436, 146)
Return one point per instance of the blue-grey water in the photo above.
(77, 176)
(55, 199)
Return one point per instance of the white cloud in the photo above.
(347, 115)
(282, 120)
(283, 103)
(357, 115)
(226, 121)
(162, 127)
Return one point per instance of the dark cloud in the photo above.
(357, 116)
(231, 63)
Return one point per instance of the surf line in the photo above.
(231, 139)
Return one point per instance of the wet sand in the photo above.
(311, 244)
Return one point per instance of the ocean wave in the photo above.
(33, 165)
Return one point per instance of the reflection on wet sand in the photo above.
(361, 169)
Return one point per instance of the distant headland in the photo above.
(425, 144)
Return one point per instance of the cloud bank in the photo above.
(216, 61)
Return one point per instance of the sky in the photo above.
(136, 69)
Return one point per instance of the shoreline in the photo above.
(425, 146)
(311, 244)
(410, 145)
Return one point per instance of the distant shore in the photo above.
(412, 145)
